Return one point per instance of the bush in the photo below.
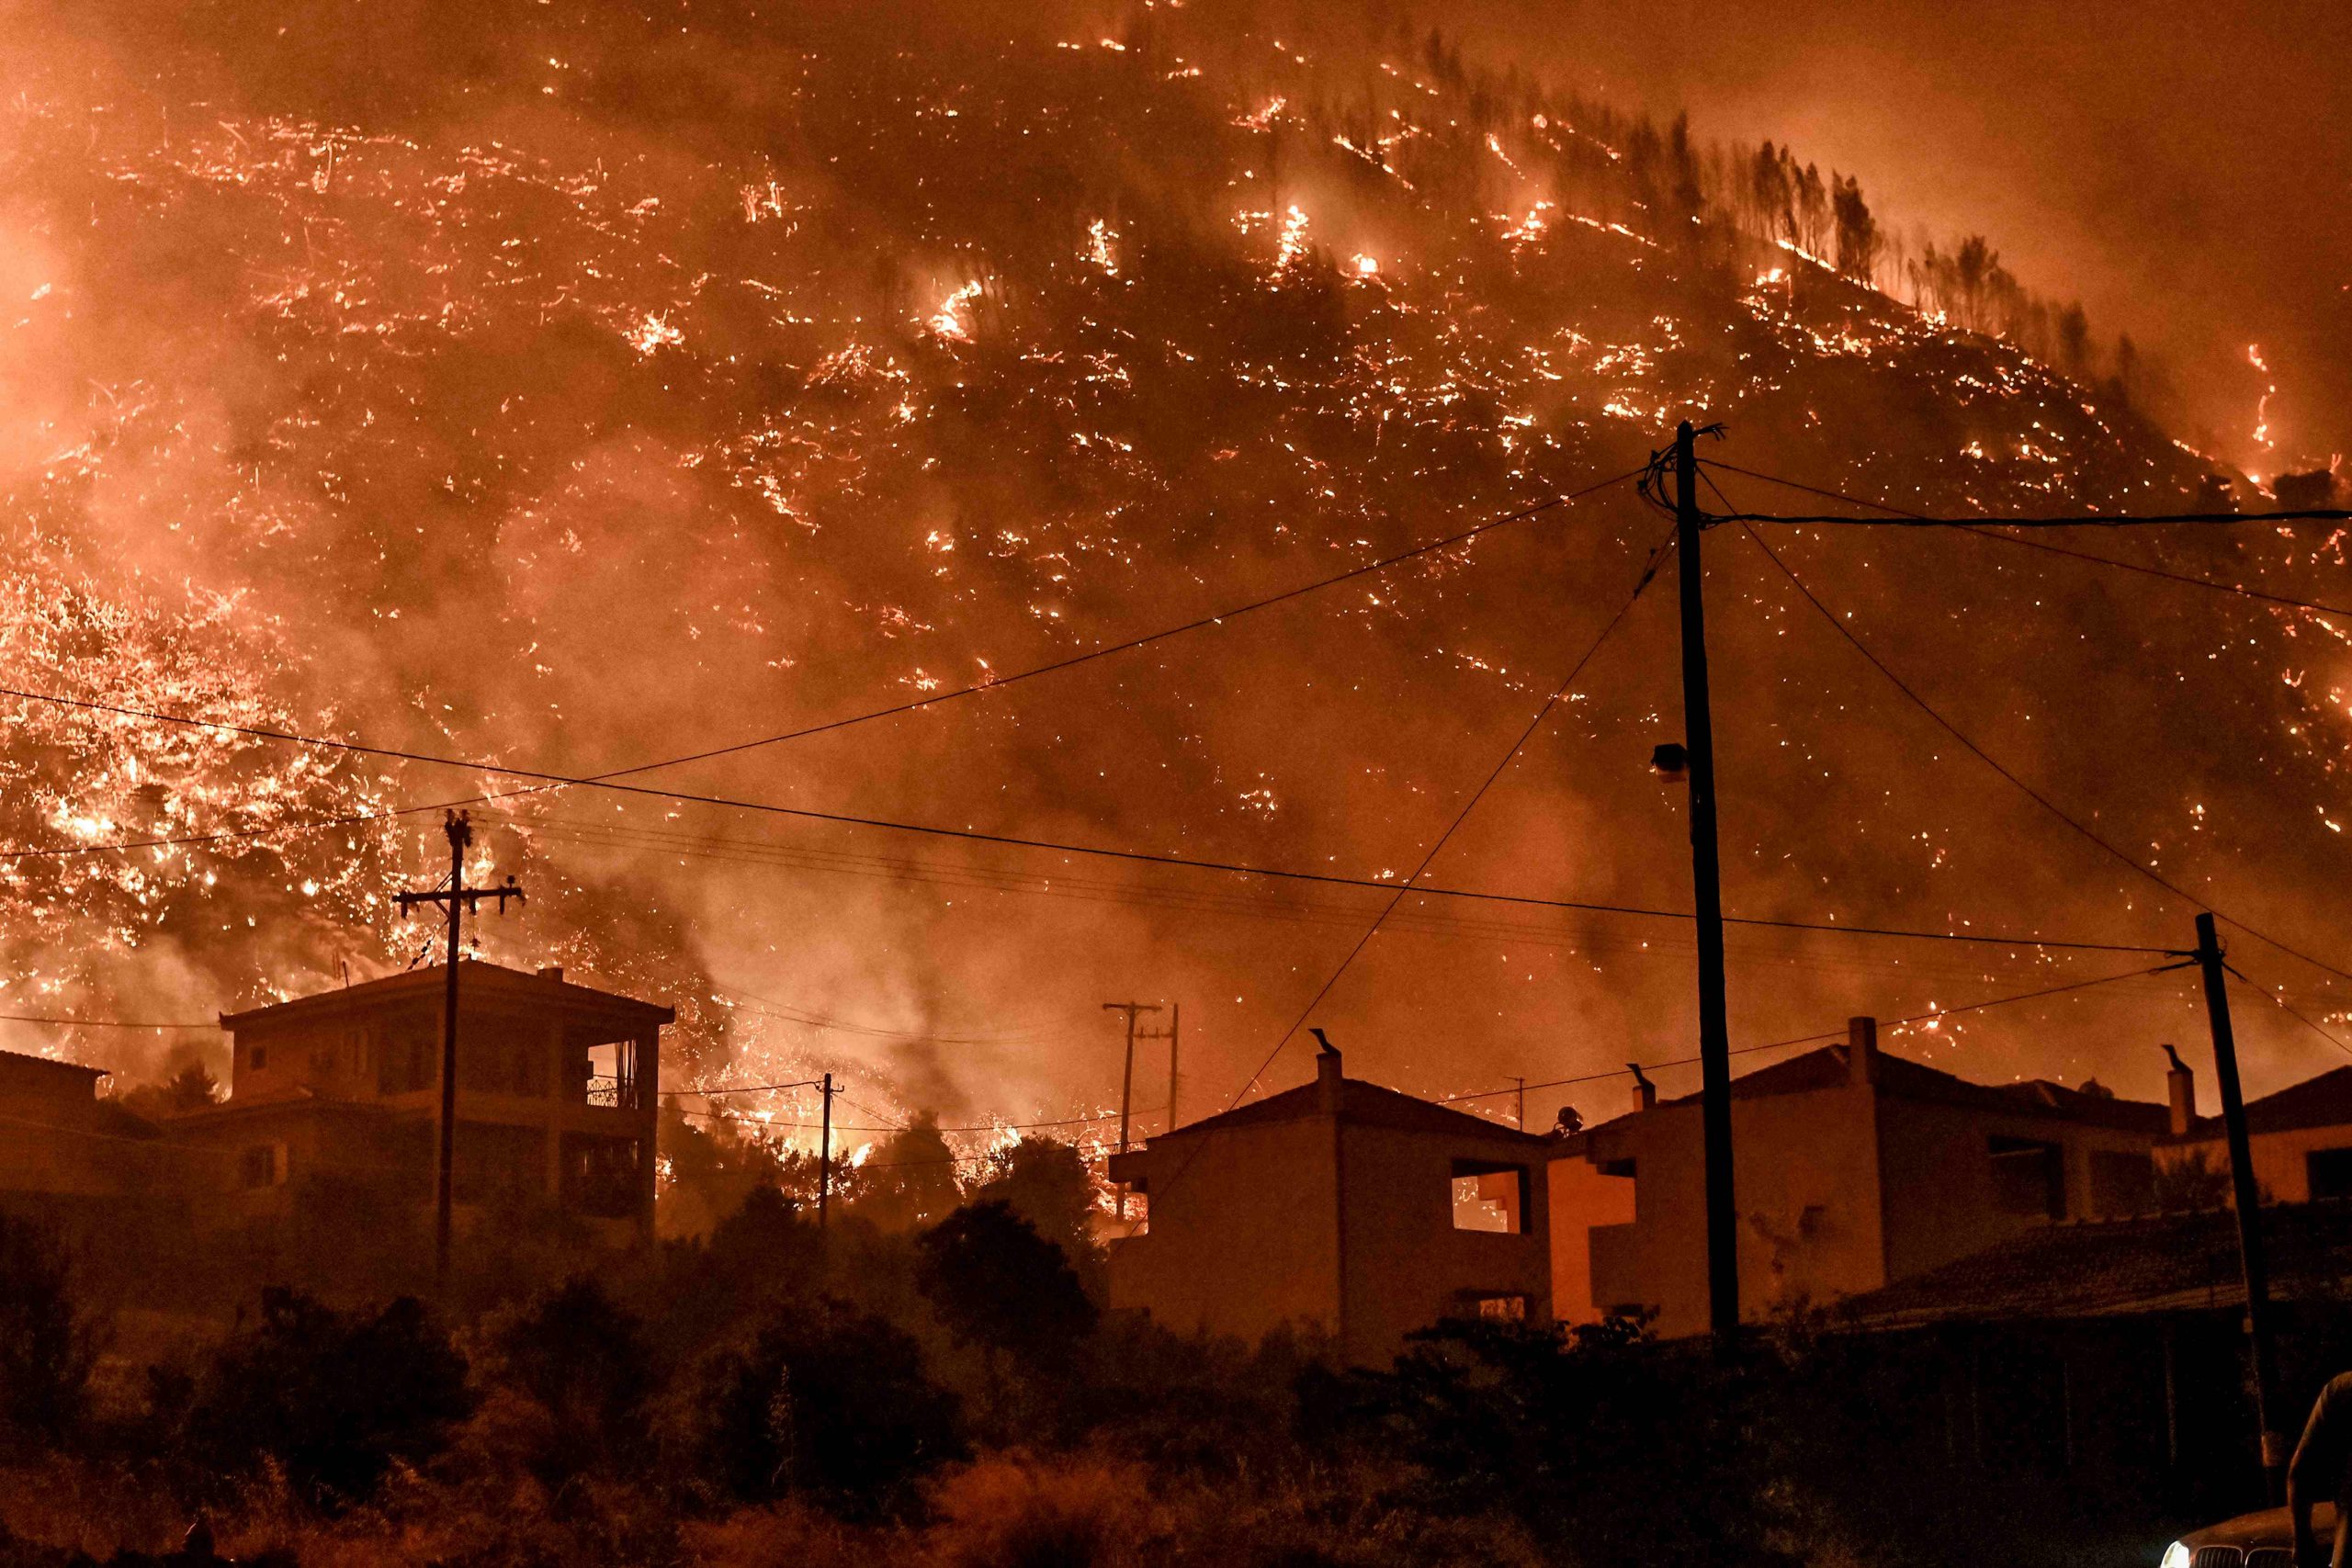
(585, 1361)
(334, 1400)
(47, 1344)
(996, 1283)
(1010, 1513)
(827, 1405)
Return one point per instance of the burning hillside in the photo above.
(578, 395)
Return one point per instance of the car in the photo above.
(2266, 1539)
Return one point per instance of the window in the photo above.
(2029, 1178)
(1511, 1308)
(1489, 1197)
(2122, 1183)
(600, 1175)
(2329, 1171)
(261, 1164)
(257, 1058)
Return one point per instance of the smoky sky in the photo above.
(2185, 170)
(582, 389)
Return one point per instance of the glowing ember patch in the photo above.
(1098, 239)
(1366, 267)
(1293, 241)
(654, 332)
(953, 321)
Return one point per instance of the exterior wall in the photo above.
(1805, 1178)
(1407, 1265)
(1243, 1233)
(1939, 1195)
(2280, 1172)
(1582, 1200)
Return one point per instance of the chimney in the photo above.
(1327, 1078)
(2181, 1084)
(1861, 1051)
(1644, 1091)
(552, 972)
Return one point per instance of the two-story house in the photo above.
(1852, 1168)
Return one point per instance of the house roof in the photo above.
(2321, 1102)
(1903, 1079)
(2114, 1267)
(25, 1060)
(482, 979)
(1361, 1104)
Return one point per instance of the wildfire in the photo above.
(2262, 405)
(953, 321)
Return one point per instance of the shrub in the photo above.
(1013, 1513)
(996, 1283)
(585, 1361)
(48, 1343)
(825, 1405)
(334, 1400)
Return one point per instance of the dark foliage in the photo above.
(827, 1404)
(1635, 1451)
(586, 1362)
(48, 1343)
(334, 1399)
(997, 1284)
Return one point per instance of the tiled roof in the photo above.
(1904, 1080)
(2111, 1267)
(1360, 1105)
(2323, 1101)
(27, 1059)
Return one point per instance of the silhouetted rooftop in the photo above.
(481, 979)
(2111, 1268)
(1904, 1080)
(1361, 1104)
(2323, 1101)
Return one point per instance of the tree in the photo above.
(1857, 237)
(48, 1343)
(997, 1284)
(334, 1399)
(910, 1182)
(827, 1404)
(1047, 1183)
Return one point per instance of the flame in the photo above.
(2262, 405)
(953, 320)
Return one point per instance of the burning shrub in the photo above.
(47, 1344)
(826, 1405)
(333, 1400)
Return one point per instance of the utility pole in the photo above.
(459, 899)
(2248, 1199)
(1706, 877)
(1127, 1079)
(1175, 1030)
(1519, 1117)
(825, 1157)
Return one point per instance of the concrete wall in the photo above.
(1407, 1265)
(1582, 1200)
(2278, 1159)
(1939, 1202)
(1243, 1233)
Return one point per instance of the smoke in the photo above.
(574, 393)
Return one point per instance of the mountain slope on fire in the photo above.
(577, 394)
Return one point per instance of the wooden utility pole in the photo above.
(1127, 1079)
(1519, 1117)
(825, 1156)
(1706, 877)
(459, 899)
(1175, 1030)
(2248, 1198)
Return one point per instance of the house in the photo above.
(2301, 1140)
(1852, 1167)
(333, 1109)
(1341, 1206)
(62, 1149)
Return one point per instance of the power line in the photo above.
(2028, 790)
(1987, 533)
(2282, 1005)
(63, 1020)
(927, 700)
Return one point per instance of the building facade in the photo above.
(1338, 1206)
(335, 1103)
(1852, 1168)
(2301, 1140)
(62, 1149)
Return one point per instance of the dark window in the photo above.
(257, 1166)
(600, 1175)
(2329, 1171)
(495, 1162)
(1489, 1197)
(1623, 1168)
(257, 1058)
(2029, 1178)
(2122, 1183)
